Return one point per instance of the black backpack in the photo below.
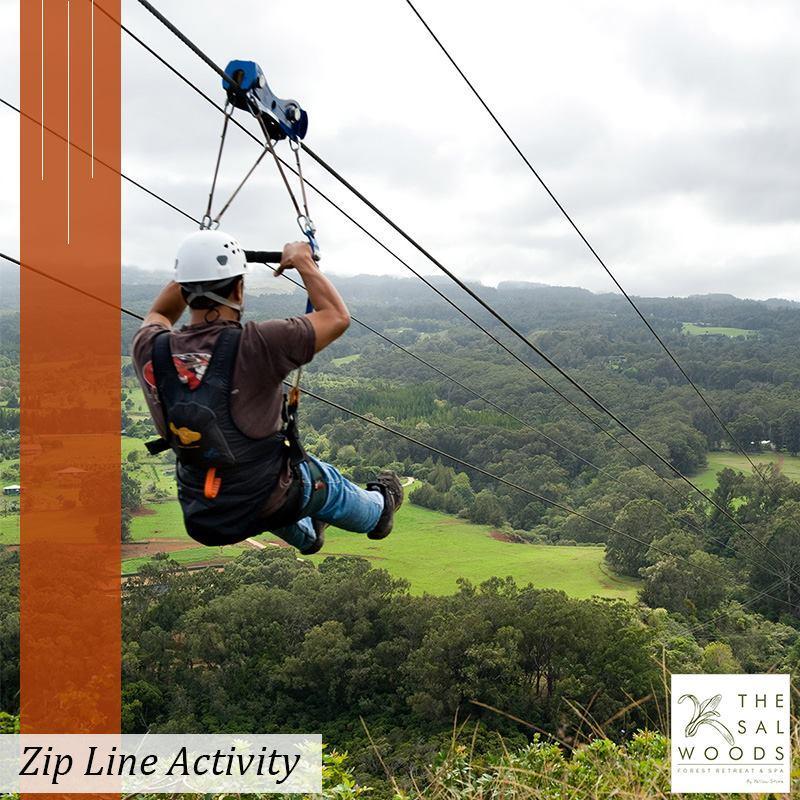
(225, 478)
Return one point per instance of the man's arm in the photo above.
(330, 318)
(167, 307)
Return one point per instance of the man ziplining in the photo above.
(215, 392)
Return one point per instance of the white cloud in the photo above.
(669, 130)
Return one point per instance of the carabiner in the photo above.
(306, 225)
(310, 232)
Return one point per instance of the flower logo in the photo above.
(706, 713)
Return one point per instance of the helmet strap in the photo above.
(223, 301)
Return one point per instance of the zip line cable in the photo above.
(377, 423)
(405, 264)
(428, 364)
(355, 319)
(743, 603)
(381, 244)
(500, 318)
(591, 397)
(190, 44)
(358, 321)
(100, 160)
(577, 230)
(548, 360)
(727, 545)
(72, 286)
(601, 470)
(550, 385)
(544, 499)
(530, 492)
(721, 509)
(472, 294)
(541, 433)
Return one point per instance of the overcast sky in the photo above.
(670, 130)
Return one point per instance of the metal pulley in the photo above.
(283, 118)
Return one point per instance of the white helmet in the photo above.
(209, 256)
(207, 260)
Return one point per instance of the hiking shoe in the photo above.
(316, 545)
(388, 484)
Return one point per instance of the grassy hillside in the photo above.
(691, 329)
(158, 521)
(190, 555)
(433, 550)
(427, 548)
(9, 529)
(707, 479)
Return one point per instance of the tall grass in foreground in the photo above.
(600, 769)
(594, 769)
(597, 770)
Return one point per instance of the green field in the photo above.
(338, 362)
(192, 555)
(429, 549)
(707, 479)
(692, 329)
(129, 445)
(432, 550)
(9, 529)
(160, 521)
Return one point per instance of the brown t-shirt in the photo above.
(268, 352)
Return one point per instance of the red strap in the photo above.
(211, 489)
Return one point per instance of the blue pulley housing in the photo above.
(284, 118)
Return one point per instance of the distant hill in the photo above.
(776, 302)
(522, 297)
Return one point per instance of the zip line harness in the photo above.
(246, 89)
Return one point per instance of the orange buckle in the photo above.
(211, 489)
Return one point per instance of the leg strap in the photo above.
(292, 510)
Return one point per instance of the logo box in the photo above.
(730, 733)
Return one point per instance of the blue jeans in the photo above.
(347, 506)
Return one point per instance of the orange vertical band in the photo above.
(70, 367)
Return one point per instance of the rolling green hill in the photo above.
(433, 550)
(429, 549)
(692, 329)
(717, 461)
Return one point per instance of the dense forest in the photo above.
(741, 536)
(271, 642)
